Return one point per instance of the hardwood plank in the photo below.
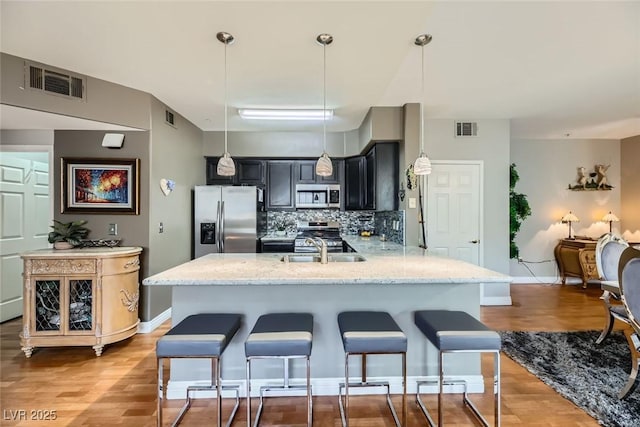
(118, 388)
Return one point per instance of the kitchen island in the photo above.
(393, 278)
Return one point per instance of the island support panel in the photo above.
(327, 357)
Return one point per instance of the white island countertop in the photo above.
(386, 263)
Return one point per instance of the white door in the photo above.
(454, 210)
(24, 224)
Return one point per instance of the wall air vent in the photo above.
(169, 118)
(58, 82)
(464, 129)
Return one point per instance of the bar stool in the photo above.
(204, 335)
(458, 332)
(285, 336)
(371, 332)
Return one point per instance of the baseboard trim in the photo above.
(11, 309)
(329, 386)
(546, 280)
(501, 300)
(150, 326)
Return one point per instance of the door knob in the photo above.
(474, 241)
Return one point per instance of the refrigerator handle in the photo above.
(222, 225)
(219, 226)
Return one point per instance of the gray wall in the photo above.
(492, 147)
(26, 137)
(132, 229)
(409, 151)
(104, 101)
(176, 154)
(630, 188)
(546, 168)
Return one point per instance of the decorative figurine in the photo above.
(601, 170)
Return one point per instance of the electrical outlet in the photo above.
(113, 229)
(161, 228)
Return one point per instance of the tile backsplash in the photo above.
(389, 223)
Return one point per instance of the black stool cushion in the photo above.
(456, 330)
(281, 335)
(371, 332)
(204, 334)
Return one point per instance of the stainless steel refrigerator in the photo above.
(227, 219)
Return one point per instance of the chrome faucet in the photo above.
(322, 248)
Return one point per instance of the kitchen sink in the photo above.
(331, 258)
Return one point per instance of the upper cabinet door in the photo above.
(250, 172)
(353, 182)
(306, 172)
(280, 188)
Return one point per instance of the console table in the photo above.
(79, 297)
(577, 258)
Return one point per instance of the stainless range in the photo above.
(329, 231)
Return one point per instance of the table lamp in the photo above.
(610, 218)
(570, 217)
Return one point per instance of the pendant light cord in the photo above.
(225, 99)
(324, 98)
(422, 108)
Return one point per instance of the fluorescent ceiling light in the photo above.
(277, 114)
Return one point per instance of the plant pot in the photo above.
(62, 245)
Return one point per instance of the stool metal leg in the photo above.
(309, 398)
(160, 391)
(344, 405)
(466, 400)
(248, 392)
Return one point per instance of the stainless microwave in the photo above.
(317, 196)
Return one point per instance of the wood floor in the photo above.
(118, 388)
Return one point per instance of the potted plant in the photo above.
(519, 209)
(66, 235)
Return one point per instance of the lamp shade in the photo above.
(570, 217)
(422, 165)
(610, 218)
(324, 167)
(226, 166)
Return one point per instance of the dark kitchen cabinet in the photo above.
(280, 187)
(354, 182)
(370, 171)
(212, 174)
(305, 172)
(383, 175)
(248, 172)
(371, 181)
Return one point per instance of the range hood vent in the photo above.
(464, 129)
(56, 82)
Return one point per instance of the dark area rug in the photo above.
(587, 374)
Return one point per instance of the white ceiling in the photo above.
(552, 68)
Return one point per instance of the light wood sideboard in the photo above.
(79, 297)
(577, 258)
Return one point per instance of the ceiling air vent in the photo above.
(169, 118)
(56, 82)
(466, 129)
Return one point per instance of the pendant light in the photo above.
(324, 167)
(422, 165)
(226, 166)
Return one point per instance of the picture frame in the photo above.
(109, 186)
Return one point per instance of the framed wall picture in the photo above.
(100, 185)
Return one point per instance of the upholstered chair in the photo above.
(629, 273)
(608, 251)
